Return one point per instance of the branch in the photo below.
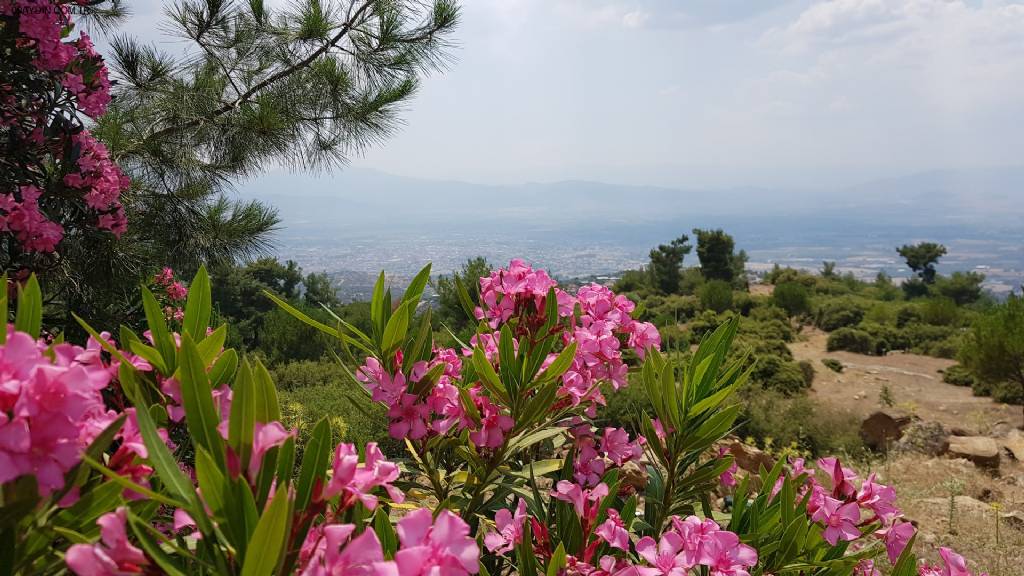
(248, 94)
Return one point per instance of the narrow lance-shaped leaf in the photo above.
(198, 307)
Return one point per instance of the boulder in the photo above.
(929, 438)
(882, 428)
(981, 450)
(749, 458)
(1014, 444)
(1014, 519)
(634, 475)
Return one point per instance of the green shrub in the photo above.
(691, 281)
(716, 295)
(851, 340)
(807, 368)
(958, 375)
(947, 348)
(907, 315)
(304, 373)
(779, 275)
(940, 311)
(835, 314)
(799, 420)
(832, 364)
(778, 374)
(886, 337)
(353, 416)
(703, 323)
(772, 312)
(914, 288)
(792, 297)
(742, 302)
(1007, 392)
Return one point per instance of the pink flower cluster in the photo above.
(100, 182)
(34, 231)
(517, 297)
(592, 456)
(429, 547)
(76, 73)
(50, 407)
(171, 293)
(694, 542)
(355, 482)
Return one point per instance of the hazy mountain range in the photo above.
(359, 219)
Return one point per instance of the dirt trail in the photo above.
(915, 385)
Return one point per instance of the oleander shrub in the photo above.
(166, 452)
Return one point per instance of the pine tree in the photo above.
(304, 87)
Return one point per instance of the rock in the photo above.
(881, 429)
(1014, 519)
(964, 504)
(749, 458)
(1014, 444)
(634, 475)
(981, 450)
(1002, 429)
(957, 431)
(928, 438)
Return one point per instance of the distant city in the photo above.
(354, 263)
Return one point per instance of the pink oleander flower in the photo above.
(113, 555)
(176, 291)
(954, 564)
(356, 481)
(723, 553)
(728, 478)
(642, 336)
(49, 409)
(618, 448)
(382, 385)
(509, 529)
(585, 502)
(866, 567)
(493, 425)
(165, 277)
(878, 498)
(329, 552)
(588, 467)
(438, 547)
(409, 418)
(265, 436)
(896, 538)
(842, 478)
(666, 556)
(840, 520)
(613, 531)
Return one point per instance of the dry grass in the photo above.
(918, 479)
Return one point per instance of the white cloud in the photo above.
(635, 19)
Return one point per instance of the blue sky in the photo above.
(714, 93)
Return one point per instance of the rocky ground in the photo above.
(944, 444)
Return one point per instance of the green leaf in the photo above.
(268, 408)
(415, 289)
(224, 368)
(557, 562)
(241, 423)
(489, 378)
(29, 316)
(377, 306)
(197, 398)
(561, 363)
(394, 332)
(315, 460)
(268, 539)
(162, 339)
(167, 564)
(385, 533)
(198, 306)
(464, 299)
(211, 481)
(300, 315)
(211, 346)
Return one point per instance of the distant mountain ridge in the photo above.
(363, 201)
